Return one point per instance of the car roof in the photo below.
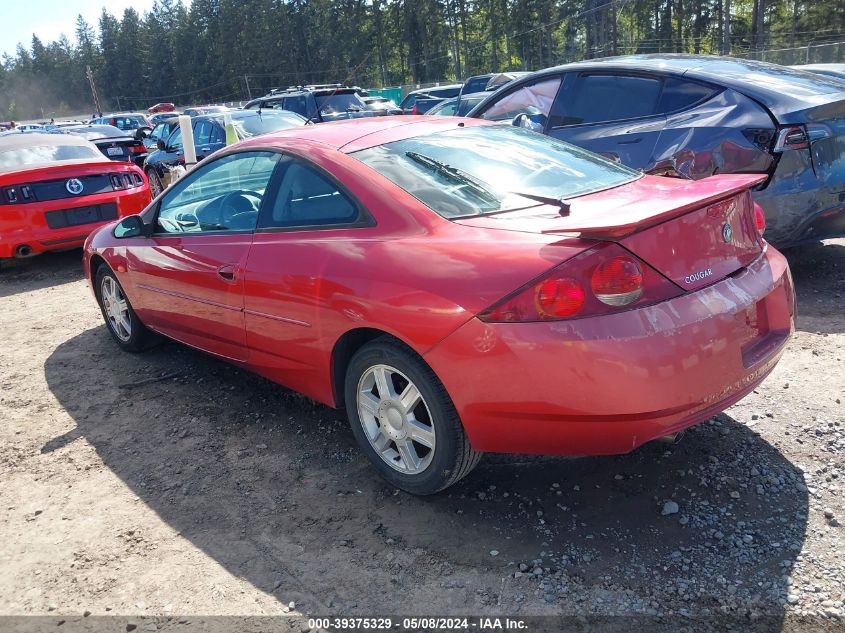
(237, 115)
(427, 90)
(781, 89)
(819, 66)
(352, 135)
(37, 139)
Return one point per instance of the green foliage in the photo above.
(225, 50)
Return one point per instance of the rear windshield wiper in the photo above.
(561, 203)
(456, 175)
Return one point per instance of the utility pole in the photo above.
(248, 91)
(90, 76)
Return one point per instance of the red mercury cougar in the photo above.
(458, 286)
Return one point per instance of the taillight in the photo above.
(602, 280)
(116, 181)
(759, 218)
(792, 137)
(559, 297)
(137, 149)
(618, 282)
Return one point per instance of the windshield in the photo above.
(330, 104)
(25, 156)
(487, 169)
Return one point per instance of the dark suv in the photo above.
(318, 103)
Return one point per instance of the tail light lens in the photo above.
(759, 218)
(603, 280)
(792, 137)
(137, 149)
(116, 181)
(618, 282)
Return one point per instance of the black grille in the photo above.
(81, 215)
(57, 189)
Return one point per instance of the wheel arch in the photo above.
(346, 347)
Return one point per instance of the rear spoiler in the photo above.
(621, 211)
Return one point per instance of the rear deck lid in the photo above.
(693, 232)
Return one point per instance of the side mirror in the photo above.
(142, 132)
(525, 121)
(130, 226)
(160, 144)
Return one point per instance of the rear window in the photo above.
(24, 156)
(487, 169)
(331, 104)
(475, 84)
(128, 122)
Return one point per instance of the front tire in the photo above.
(404, 420)
(122, 322)
(156, 186)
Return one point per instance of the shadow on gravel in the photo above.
(272, 487)
(818, 270)
(41, 271)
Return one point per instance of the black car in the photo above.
(422, 100)
(694, 116)
(318, 103)
(162, 131)
(115, 144)
(209, 136)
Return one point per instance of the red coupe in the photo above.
(55, 189)
(459, 287)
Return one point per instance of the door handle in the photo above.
(227, 272)
(631, 142)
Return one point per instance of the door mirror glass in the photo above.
(131, 226)
(142, 132)
(160, 144)
(527, 122)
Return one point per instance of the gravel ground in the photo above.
(170, 483)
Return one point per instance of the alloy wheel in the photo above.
(116, 308)
(396, 419)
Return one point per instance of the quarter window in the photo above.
(679, 94)
(223, 195)
(308, 198)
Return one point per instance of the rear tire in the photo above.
(122, 322)
(409, 428)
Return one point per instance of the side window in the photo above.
(157, 132)
(535, 100)
(449, 109)
(217, 135)
(175, 140)
(296, 104)
(600, 98)
(202, 133)
(308, 198)
(680, 94)
(223, 195)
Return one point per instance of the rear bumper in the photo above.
(606, 385)
(27, 225)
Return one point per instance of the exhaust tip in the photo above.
(672, 438)
(24, 250)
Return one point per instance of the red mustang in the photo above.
(55, 189)
(459, 287)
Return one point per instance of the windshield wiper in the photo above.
(456, 175)
(551, 201)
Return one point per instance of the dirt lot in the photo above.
(172, 483)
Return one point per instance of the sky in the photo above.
(50, 18)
